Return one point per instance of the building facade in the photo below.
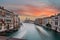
(7, 20)
(53, 21)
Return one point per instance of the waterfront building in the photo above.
(46, 20)
(7, 20)
(53, 21)
(58, 22)
(16, 22)
(38, 21)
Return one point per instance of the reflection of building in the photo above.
(6, 19)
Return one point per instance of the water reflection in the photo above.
(30, 32)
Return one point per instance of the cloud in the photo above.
(36, 11)
(33, 7)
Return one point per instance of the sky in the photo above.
(39, 8)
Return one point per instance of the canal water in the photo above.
(30, 32)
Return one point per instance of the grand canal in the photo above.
(30, 32)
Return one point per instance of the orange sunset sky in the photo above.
(37, 11)
(38, 8)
